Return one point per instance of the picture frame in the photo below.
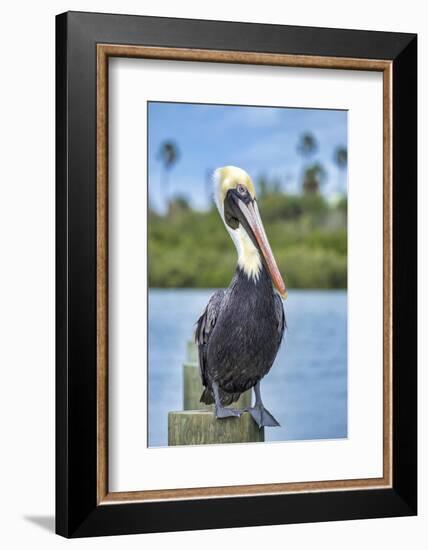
(84, 44)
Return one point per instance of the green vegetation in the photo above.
(308, 235)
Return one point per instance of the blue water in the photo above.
(306, 389)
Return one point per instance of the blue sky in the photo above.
(261, 140)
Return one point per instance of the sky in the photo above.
(261, 140)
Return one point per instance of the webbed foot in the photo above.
(225, 412)
(262, 417)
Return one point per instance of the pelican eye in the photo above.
(241, 189)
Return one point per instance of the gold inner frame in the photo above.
(104, 51)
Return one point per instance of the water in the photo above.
(306, 389)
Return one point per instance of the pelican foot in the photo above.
(224, 412)
(262, 417)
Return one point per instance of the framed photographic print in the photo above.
(236, 274)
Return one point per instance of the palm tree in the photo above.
(168, 155)
(307, 145)
(313, 178)
(340, 158)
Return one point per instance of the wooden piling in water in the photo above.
(202, 428)
(197, 425)
(192, 352)
(192, 388)
(192, 384)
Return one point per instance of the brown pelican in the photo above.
(241, 329)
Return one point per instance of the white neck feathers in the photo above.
(248, 255)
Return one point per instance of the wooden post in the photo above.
(202, 428)
(192, 352)
(192, 391)
(197, 425)
(192, 388)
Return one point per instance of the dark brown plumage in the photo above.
(239, 335)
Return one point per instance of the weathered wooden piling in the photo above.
(197, 425)
(192, 352)
(202, 428)
(192, 388)
(192, 385)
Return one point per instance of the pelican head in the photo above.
(235, 197)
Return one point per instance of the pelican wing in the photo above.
(204, 328)
(279, 311)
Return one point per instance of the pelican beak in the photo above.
(252, 222)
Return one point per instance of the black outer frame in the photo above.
(77, 513)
